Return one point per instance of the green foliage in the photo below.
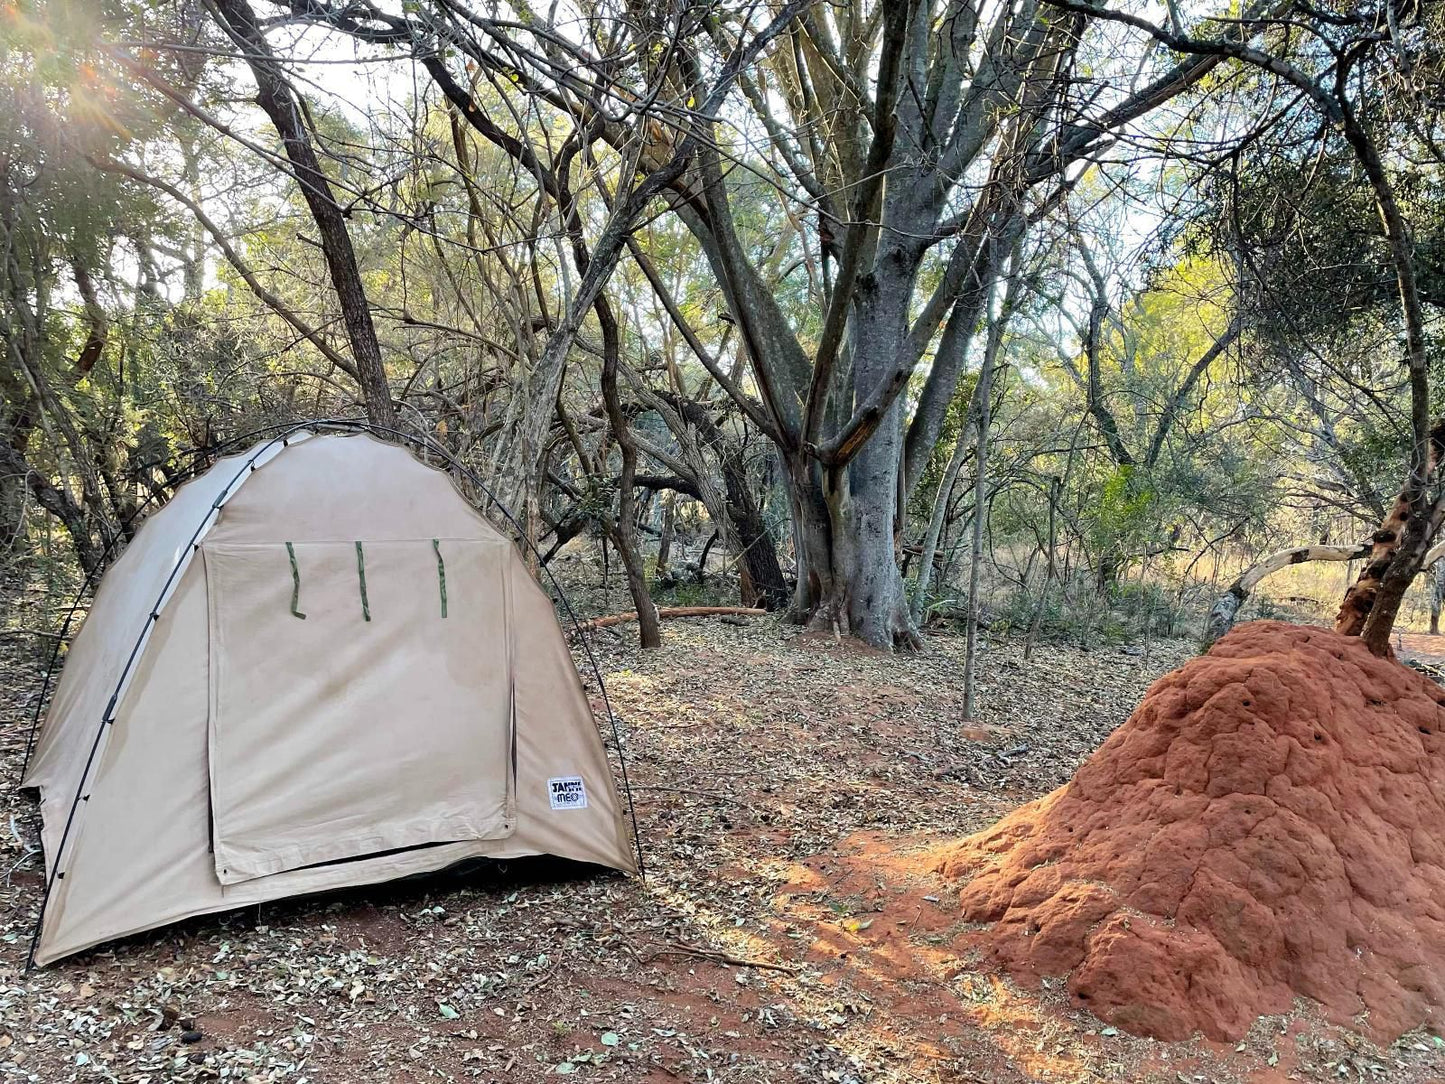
(465, 257)
(1120, 514)
(956, 426)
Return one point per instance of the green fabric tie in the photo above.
(361, 579)
(295, 583)
(441, 573)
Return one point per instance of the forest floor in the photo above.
(789, 789)
(1420, 647)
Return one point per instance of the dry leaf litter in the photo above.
(784, 934)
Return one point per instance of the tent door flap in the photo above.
(360, 699)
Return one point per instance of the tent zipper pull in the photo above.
(441, 573)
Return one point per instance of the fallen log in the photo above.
(666, 612)
(1227, 606)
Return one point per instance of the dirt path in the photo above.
(1420, 647)
(788, 931)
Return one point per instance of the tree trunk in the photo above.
(1398, 548)
(864, 594)
(1437, 594)
(984, 416)
(760, 568)
(1405, 536)
(848, 576)
(649, 628)
(624, 527)
(1396, 581)
(707, 546)
(664, 544)
(1226, 608)
(876, 602)
(929, 547)
(994, 342)
(1056, 487)
(764, 574)
(59, 504)
(1106, 575)
(14, 490)
(276, 97)
(1359, 600)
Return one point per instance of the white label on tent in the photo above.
(568, 792)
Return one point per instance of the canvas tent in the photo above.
(316, 666)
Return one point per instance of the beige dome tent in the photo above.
(316, 666)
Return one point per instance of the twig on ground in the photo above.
(688, 790)
(665, 612)
(682, 948)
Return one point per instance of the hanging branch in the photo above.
(281, 103)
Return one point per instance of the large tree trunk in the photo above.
(848, 575)
(877, 603)
(867, 597)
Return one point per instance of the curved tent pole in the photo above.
(107, 551)
(108, 716)
(288, 429)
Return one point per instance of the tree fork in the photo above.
(1398, 551)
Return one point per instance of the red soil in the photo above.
(1269, 823)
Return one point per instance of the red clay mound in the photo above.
(1270, 822)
